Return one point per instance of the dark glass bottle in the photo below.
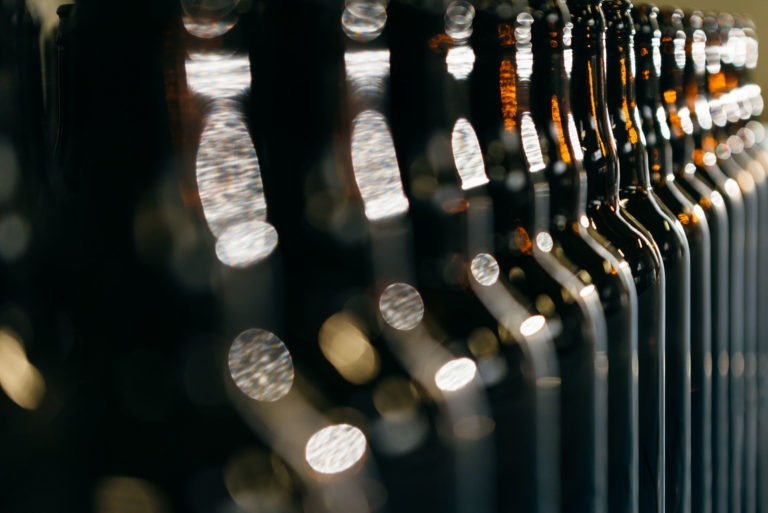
(352, 321)
(692, 179)
(608, 219)
(695, 226)
(733, 60)
(520, 194)
(640, 200)
(728, 151)
(706, 161)
(593, 259)
(752, 133)
(445, 179)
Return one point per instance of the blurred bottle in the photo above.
(641, 201)
(514, 158)
(592, 258)
(608, 219)
(694, 223)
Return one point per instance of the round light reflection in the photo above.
(401, 306)
(485, 269)
(335, 448)
(455, 374)
(260, 365)
(246, 243)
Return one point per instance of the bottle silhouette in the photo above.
(639, 199)
(520, 195)
(608, 219)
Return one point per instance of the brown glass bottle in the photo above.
(733, 61)
(641, 201)
(729, 152)
(691, 179)
(519, 190)
(595, 260)
(608, 218)
(706, 161)
(470, 304)
(694, 223)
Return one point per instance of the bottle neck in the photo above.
(622, 104)
(672, 81)
(648, 58)
(437, 147)
(591, 115)
(551, 109)
(502, 109)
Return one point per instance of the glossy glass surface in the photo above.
(457, 271)
(527, 253)
(593, 259)
(608, 219)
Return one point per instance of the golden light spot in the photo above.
(670, 96)
(482, 343)
(684, 218)
(545, 305)
(20, 380)
(347, 348)
(395, 397)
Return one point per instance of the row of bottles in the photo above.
(401, 256)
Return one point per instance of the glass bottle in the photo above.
(693, 181)
(706, 161)
(444, 174)
(733, 60)
(693, 220)
(608, 219)
(330, 359)
(730, 159)
(752, 134)
(639, 199)
(520, 194)
(593, 259)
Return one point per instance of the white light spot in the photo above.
(218, 74)
(467, 155)
(364, 20)
(531, 144)
(587, 291)
(260, 365)
(544, 242)
(367, 70)
(455, 374)
(335, 448)
(375, 167)
(532, 325)
(246, 243)
(460, 61)
(732, 188)
(458, 20)
(717, 199)
(485, 269)
(401, 306)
